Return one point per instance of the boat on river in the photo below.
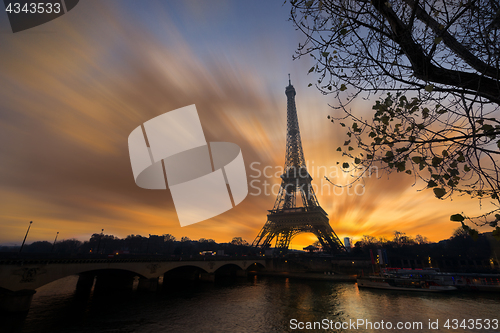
(461, 281)
(402, 283)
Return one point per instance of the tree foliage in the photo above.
(419, 239)
(434, 67)
(168, 238)
(317, 244)
(239, 241)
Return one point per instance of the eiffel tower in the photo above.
(290, 216)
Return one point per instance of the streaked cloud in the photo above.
(72, 91)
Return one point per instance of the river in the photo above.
(255, 304)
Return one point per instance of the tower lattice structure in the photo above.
(296, 208)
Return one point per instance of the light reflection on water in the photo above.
(248, 305)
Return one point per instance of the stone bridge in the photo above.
(20, 278)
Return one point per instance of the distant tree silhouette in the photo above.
(168, 238)
(239, 241)
(38, 247)
(67, 246)
(419, 239)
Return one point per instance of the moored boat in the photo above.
(461, 281)
(401, 283)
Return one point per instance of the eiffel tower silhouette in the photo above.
(290, 216)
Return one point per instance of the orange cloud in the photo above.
(70, 98)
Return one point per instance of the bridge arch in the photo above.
(255, 266)
(35, 277)
(187, 272)
(230, 267)
(228, 272)
(185, 267)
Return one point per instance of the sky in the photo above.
(73, 89)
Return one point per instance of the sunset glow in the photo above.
(73, 89)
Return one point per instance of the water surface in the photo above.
(256, 304)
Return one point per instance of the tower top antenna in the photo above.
(289, 81)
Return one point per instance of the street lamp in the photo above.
(54, 242)
(21, 249)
